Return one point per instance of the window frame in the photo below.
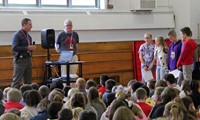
(39, 5)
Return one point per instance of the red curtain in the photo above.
(136, 61)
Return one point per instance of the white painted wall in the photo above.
(181, 10)
(187, 13)
(117, 24)
(195, 17)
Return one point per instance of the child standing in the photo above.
(161, 56)
(186, 59)
(146, 55)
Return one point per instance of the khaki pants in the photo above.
(73, 68)
(187, 72)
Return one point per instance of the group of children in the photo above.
(160, 100)
(179, 55)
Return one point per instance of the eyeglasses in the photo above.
(146, 37)
(68, 25)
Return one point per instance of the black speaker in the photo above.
(48, 38)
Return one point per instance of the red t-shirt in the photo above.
(12, 104)
(145, 107)
(102, 90)
(187, 53)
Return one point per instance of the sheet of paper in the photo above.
(175, 72)
(147, 75)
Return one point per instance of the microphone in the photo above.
(33, 42)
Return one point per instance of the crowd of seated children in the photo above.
(65, 103)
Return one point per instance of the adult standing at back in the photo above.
(186, 59)
(67, 40)
(22, 48)
(146, 54)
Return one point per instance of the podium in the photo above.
(58, 63)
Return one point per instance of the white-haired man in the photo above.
(67, 40)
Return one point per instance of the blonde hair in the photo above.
(172, 33)
(76, 111)
(123, 113)
(120, 95)
(173, 111)
(55, 96)
(14, 95)
(163, 44)
(148, 34)
(5, 92)
(15, 111)
(137, 111)
(9, 116)
(72, 91)
(158, 92)
(80, 83)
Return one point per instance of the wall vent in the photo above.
(143, 5)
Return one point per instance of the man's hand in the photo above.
(32, 47)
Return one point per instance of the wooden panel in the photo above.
(6, 63)
(99, 67)
(106, 56)
(112, 58)
(104, 46)
(6, 51)
(6, 74)
(6, 83)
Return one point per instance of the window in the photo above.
(52, 3)
(83, 2)
(22, 2)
